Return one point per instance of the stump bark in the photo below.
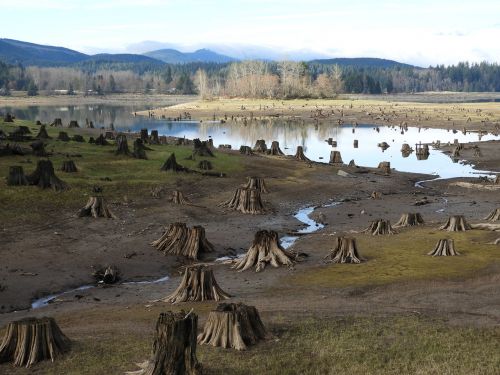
(44, 177)
(144, 135)
(247, 201)
(96, 207)
(69, 166)
(174, 346)
(63, 136)
(122, 145)
(198, 284)
(410, 219)
(275, 149)
(335, 157)
(385, 167)
(139, 149)
(246, 150)
(444, 247)
(38, 148)
(16, 176)
(299, 154)
(345, 251)
(31, 340)
(380, 227)
(42, 133)
(178, 239)
(456, 223)
(265, 250)
(171, 165)
(202, 148)
(494, 215)
(107, 275)
(256, 183)
(232, 325)
(179, 198)
(260, 146)
(57, 122)
(205, 165)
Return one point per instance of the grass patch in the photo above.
(402, 257)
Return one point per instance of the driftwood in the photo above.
(260, 146)
(96, 207)
(444, 247)
(494, 215)
(205, 165)
(380, 227)
(171, 165)
(265, 249)
(178, 239)
(275, 149)
(247, 201)
(63, 136)
(409, 219)
(122, 145)
(345, 251)
(486, 226)
(69, 166)
(174, 346)
(38, 148)
(335, 157)
(233, 325)
(385, 167)
(31, 340)
(16, 176)
(42, 133)
(256, 183)
(198, 284)
(455, 223)
(246, 150)
(44, 177)
(299, 155)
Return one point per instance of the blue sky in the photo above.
(421, 32)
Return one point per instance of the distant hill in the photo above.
(122, 58)
(362, 62)
(173, 56)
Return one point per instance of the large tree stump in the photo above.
(178, 239)
(380, 227)
(63, 136)
(409, 219)
(73, 124)
(456, 223)
(96, 207)
(16, 176)
(198, 284)
(38, 148)
(385, 167)
(31, 340)
(154, 139)
(179, 198)
(246, 150)
(69, 166)
(233, 325)
(139, 149)
(44, 177)
(444, 247)
(101, 141)
(275, 149)
(42, 133)
(256, 183)
(345, 251)
(247, 201)
(144, 135)
(494, 215)
(265, 249)
(202, 148)
(174, 346)
(171, 165)
(205, 165)
(57, 123)
(335, 157)
(260, 146)
(299, 154)
(122, 145)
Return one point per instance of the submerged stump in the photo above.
(444, 247)
(456, 223)
(345, 251)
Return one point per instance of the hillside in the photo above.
(173, 56)
(362, 62)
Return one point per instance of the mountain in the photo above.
(173, 56)
(362, 62)
(122, 58)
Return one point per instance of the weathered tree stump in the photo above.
(31, 340)
(78, 138)
(380, 227)
(178, 239)
(179, 198)
(171, 165)
(69, 166)
(8, 118)
(107, 275)
(256, 183)
(42, 133)
(335, 157)
(456, 223)
(144, 135)
(385, 167)
(444, 247)
(174, 346)
(101, 141)
(246, 150)
(345, 251)
(38, 148)
(44, 177)
(247, 201)
(202, 148)
(57, 123)
(260, 146)
(122, 145)
(73, 124)
(110, 135)
(96, 207)
(409, 219)
(154, 139)
(63, 136)
(352, 164)
(16, 176)
(233, 325)
(205, 165)
(493, 216)
(198, 284)
(157, 191)
(275, 149)
(265, 249)
(299, 154)
(139, 149)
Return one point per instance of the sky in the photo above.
(424, 32)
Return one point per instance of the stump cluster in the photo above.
(345, 251)
(44, 177)
(456, 223)
(444, 247)
(78, 138)
(409, 219)
(247, 201)
(380, 227)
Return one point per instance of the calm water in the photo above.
(311, 137)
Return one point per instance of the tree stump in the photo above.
(233, 325)
(109, 135)
(205, 165)
(31, 340)
(409, 219)
(144, 135)
(38, 149)
(246, 150)
(42, 133)
(376, 195)
(385, 167)
(101, 141)
(63, 136)
(57, 123)
(202, 148)
(73, 124)
(16, 176)
(122, 145)
(171, 165)
(265, 249)
(178, 239)
(299, 154)
(275, 149)
(496, 181)
(379, 227)
(345, 251)
(174, 346)
(78, 138)
(444, 247)
(154, 139)
(198, 284)
(8, 118)
(260, 146)
(44, 177)
(247, 201)
(256, 183)
(493, 216)
(69, 166)
(107, 275)
(96, 207)
(456, 223)
(352, 164)
(139, 149)
(335, 157)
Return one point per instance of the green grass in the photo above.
(130, 177)
(402, 257)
